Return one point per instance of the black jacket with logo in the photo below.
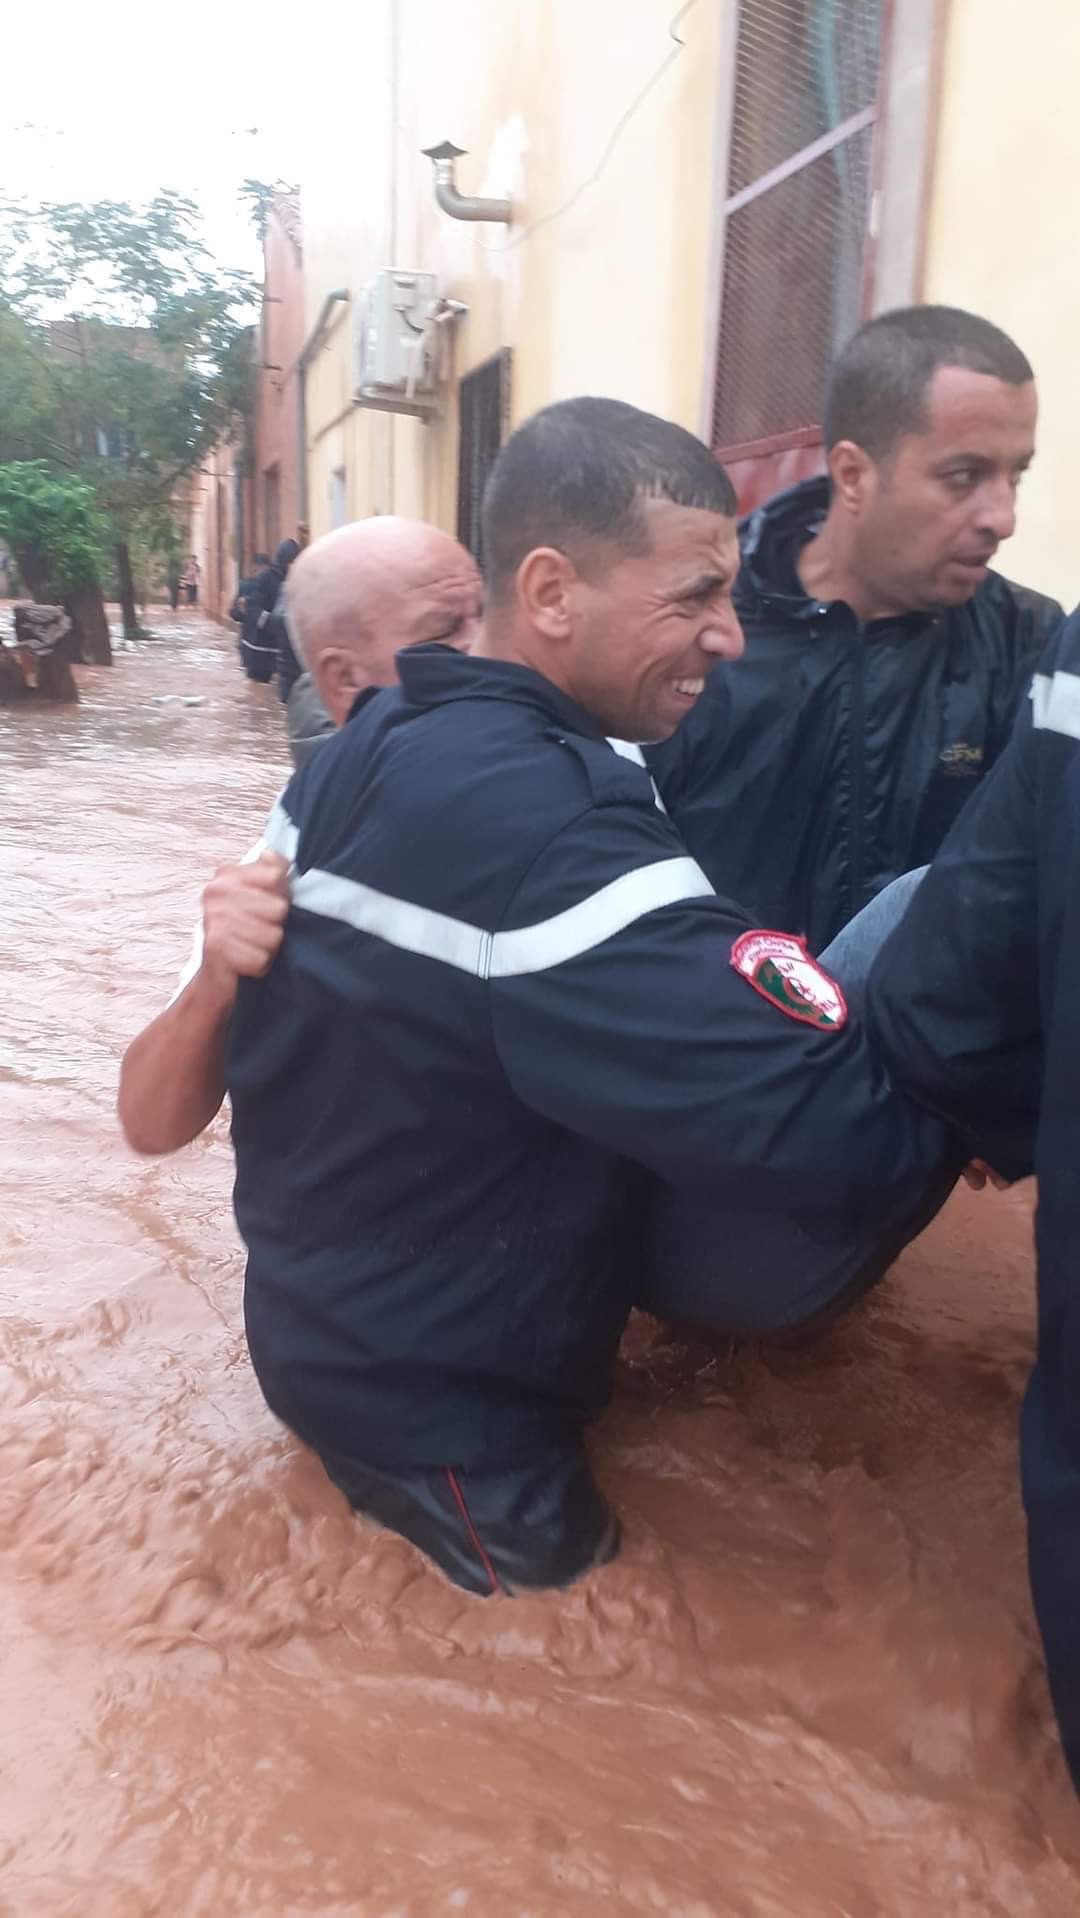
(836, 755)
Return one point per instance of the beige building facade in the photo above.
(599, 284)
(1001, 238)
(703, 201)
(217, 511)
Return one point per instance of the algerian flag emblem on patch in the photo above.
(779, 967)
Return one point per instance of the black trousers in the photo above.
(751, 1274)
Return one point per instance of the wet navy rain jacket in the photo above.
(264, 634)
(975, 1001)
(502, 980)
(836, 755)
(238, 608)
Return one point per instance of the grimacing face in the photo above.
(937, 507)
(442, 602)
(650, 627)
(407, 598)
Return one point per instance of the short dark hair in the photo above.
(580, 470)
(877, 389)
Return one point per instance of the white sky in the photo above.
(115, 99)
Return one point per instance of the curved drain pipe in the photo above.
(461, 206)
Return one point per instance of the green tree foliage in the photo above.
(52, 525)
(32, 418)
(256, 195)
(125, 354)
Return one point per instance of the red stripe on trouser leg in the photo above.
(459, 1500)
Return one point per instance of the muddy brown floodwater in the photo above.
(808, 1688)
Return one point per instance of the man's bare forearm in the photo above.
(172, 1080)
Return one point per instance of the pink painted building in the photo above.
(280, 337)
(246, 497)
(222, 533)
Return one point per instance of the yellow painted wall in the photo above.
(1002, 238)
(345, 215)
(600, 286)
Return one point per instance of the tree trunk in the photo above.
(35, 575)
(78, 648)
(132, 629)
(55, 679)
(84, 605)
(85, 608)
(34, 568)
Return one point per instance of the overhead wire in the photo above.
(621, 124)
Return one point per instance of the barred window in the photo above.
(484, 402)
(798, 212)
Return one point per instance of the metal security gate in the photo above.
(484, 400)
(797, 227)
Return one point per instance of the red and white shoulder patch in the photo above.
(779, 967)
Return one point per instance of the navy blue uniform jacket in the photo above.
(974, 1002)
(504, 986)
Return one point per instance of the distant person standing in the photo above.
(173, 581)
(191, 581)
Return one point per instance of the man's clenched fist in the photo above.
(244, 910)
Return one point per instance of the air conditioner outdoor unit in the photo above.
(396, 343)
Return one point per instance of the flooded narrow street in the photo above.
(808, 1688)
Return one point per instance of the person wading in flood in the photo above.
(502, 982)
(246, 590)
(263, 627)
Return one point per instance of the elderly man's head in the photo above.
(611, 556)
(359, 595)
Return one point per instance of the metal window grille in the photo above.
(798, 211)
(484, 403)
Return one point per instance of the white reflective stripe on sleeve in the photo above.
(432, 935)
(502, 955)
(600, 917)
(627, 749)
(1056, 703)
(280, 836)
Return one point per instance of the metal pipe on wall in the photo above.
(338, 297)
(461, 206)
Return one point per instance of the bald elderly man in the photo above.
(377, 587)
(353, 600)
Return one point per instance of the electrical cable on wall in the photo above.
(546, 219)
